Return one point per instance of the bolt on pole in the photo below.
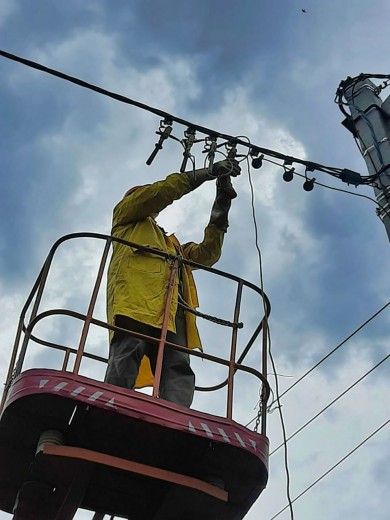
(371, 126)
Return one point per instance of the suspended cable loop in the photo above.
(282, 423)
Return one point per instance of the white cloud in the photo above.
(110, 156)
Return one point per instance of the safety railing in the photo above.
(24, 334)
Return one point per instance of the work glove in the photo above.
(222, 203)
(226, 168)
(220, 169)
(225, 187)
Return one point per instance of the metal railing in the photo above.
(25, 330)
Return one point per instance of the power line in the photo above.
(336, 348)
(331, 352)
(333, 467)
(331, 403)
(354, 194)
(342, 174)
(378, 204)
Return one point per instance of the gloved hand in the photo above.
(222, 203)
(227, 167)
(223, 168)
(225, 187)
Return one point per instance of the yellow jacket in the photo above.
(137, 281)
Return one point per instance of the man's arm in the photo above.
(151, 199)
(209, 250)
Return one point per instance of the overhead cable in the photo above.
(333, 467)
(336, 348)
(344, 174)
(329, 354)
(289, 174)
(330, 404)
(380, 207)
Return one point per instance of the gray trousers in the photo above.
(177, 378)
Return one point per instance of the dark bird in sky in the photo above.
(304, 11)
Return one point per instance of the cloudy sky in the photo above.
(259, 68)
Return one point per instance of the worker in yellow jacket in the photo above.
(137, 281)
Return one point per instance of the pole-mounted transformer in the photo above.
(369, 122)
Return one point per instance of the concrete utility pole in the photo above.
(371, 118)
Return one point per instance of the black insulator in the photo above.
(308, 185)
(257, 162)
(288, 175)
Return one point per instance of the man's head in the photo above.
(135, 188)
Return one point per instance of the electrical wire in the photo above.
(380, 206)
(354, 194)
(256, 229)
(284, 433)
(332, 352)
(310, 166)
(331, 403)
(335, 172)
(336, 348)
(332, 468)
(277, 394)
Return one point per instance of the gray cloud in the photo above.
(258, 68)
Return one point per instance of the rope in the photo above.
(214, 319)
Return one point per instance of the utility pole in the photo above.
(370, 124)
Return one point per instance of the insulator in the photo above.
(210, 148)
(164, 132)
(188, 142)
(257, 162)
(308, 185)
(288, 175)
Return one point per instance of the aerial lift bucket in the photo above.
(69, 442)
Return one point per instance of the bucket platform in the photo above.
(69, 442)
